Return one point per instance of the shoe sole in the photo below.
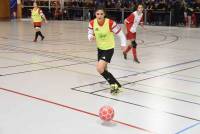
(116, 91)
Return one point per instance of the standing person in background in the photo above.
(189, 15)
(102, 30)
(131, 24)
(37, 18)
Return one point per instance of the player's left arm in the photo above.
(115, 28)
(142, 22)
(43, 16)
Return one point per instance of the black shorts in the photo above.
(105, 55)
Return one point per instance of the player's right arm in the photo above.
(128, 22)
(91, 35)
(43, 16)
(129, 19)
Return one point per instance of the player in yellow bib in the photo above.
(102, 30)
(37, 18)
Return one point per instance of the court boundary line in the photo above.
(148, 71)
(128, 83)
(135, 104)
(169, 90)
(74, 109)
(187, 128)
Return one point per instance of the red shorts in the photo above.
(130, 35)
(37, 24)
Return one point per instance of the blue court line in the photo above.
(187, 128)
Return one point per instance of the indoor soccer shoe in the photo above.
(42, 38)
(115, 89)
(136, 60)
(125, 55)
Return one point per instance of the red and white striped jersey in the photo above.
(133, 20)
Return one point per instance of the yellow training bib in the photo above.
(104, 37)
(36, 17)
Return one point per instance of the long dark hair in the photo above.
(100, 8)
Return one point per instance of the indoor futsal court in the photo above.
(52, 86)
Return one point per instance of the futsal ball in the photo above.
(106, 113)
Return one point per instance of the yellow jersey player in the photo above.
(37, 18)
(102, 30)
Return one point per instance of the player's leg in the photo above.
(134, 48)
(37, 26)
(104, 57)
(36, 33)
(40, 34)
(129, 37)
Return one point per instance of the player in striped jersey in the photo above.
(131, 23)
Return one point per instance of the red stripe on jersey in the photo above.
(118, 31)
(92, 23)
(110, 24)
(114, 26)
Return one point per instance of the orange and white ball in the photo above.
(106, 113)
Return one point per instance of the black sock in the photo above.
(36, 35)
(39, 33)
(110, 78)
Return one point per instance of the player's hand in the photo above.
(144, 28)
(123, 48)
(92, 38)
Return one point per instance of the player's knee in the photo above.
(134, 44)
(100, 69)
